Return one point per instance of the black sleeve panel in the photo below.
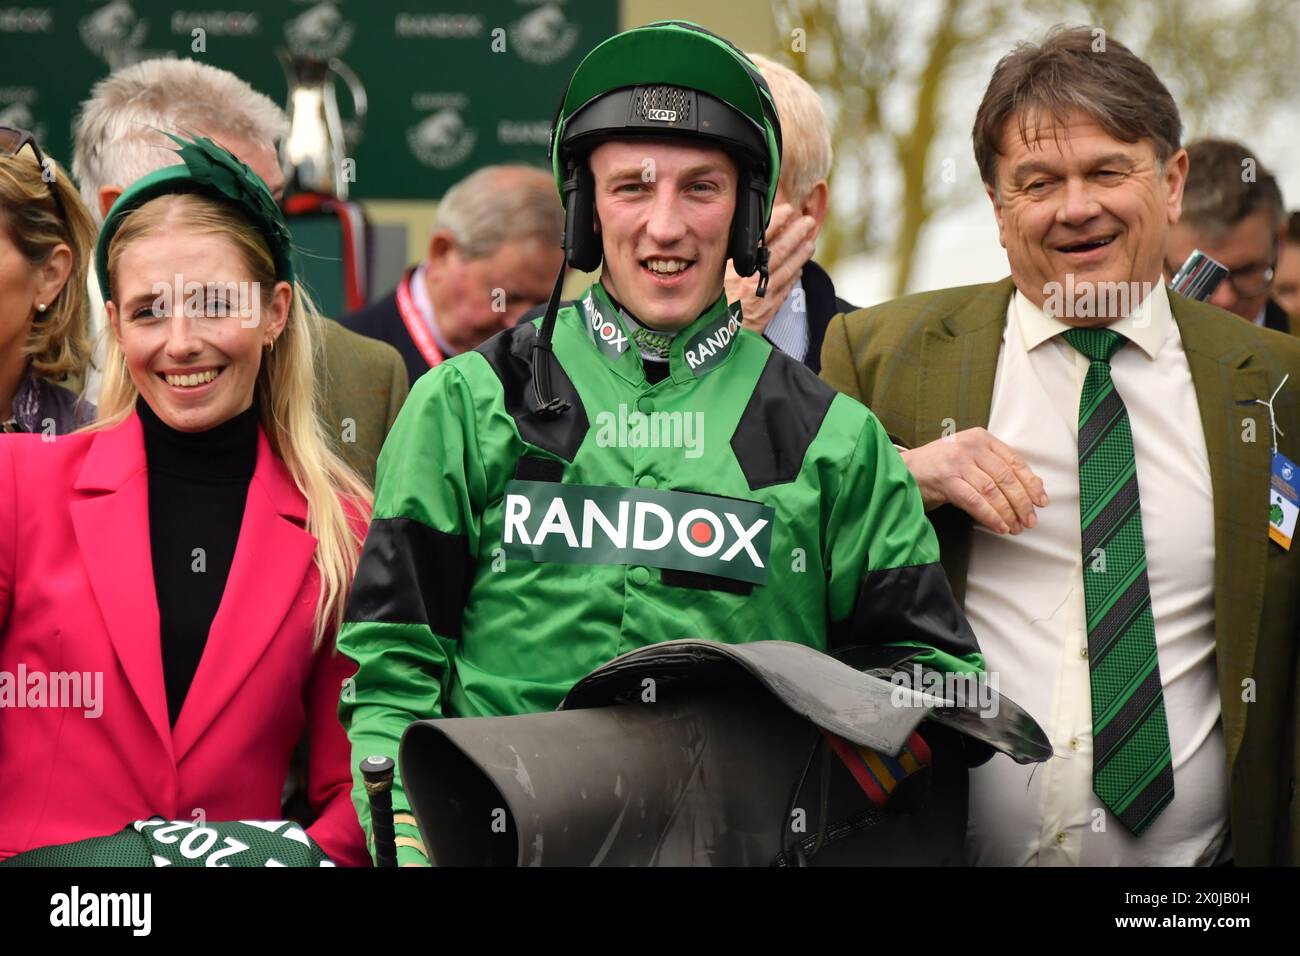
(411, 574)
(509, 353)
(784, 414)
(906, 604)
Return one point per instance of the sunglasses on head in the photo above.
(12, 140)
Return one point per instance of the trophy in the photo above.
(314, 152)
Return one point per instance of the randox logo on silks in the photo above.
(598, 524)
(604, 326)
(709, 346)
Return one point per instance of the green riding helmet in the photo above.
(667, 79)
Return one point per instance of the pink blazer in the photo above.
(77, 594)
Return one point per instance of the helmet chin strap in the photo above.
(763, 257)
(548, 406)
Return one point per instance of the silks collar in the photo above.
(696, 350)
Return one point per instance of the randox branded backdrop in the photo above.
(452, 84)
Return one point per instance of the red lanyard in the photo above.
(415, 324)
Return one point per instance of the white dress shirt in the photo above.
(1025, 600)
(423, 303)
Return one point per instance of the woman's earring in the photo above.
(41, 307)
(270, 345)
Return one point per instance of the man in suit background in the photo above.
(1154, 637)
(117, 141)
(1286, 283)
(800, 296)
(493, 255)
(1232, 210)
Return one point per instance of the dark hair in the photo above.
(1293, 227)
(1075, 69)
(1219, 194)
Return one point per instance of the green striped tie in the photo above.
(1132, 768)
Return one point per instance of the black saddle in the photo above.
(697, 753)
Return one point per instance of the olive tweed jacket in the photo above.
(364, 385)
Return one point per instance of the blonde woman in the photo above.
(46, 241)
(188, 557)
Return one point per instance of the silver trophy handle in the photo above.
(354, 128)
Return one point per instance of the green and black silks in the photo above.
(510, 555)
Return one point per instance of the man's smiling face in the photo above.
(1074, 200)
(664, 213)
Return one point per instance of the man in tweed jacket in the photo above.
(980, 388)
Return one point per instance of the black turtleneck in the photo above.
(198, 483)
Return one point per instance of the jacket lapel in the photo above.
(273, 555)
(819, 307)
(954, 391)
(960, 360)
(1226, 387)
(110, 518)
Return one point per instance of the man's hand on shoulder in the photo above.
(982, 476)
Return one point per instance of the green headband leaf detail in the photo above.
(207, 169)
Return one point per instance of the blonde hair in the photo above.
(57, 345)
(805, 136)
(117, 139)
(287, 393)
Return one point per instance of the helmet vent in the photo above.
(663, 104)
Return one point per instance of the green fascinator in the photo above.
(212, 171)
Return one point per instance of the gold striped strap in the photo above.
(413, 843)
(404, 818)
